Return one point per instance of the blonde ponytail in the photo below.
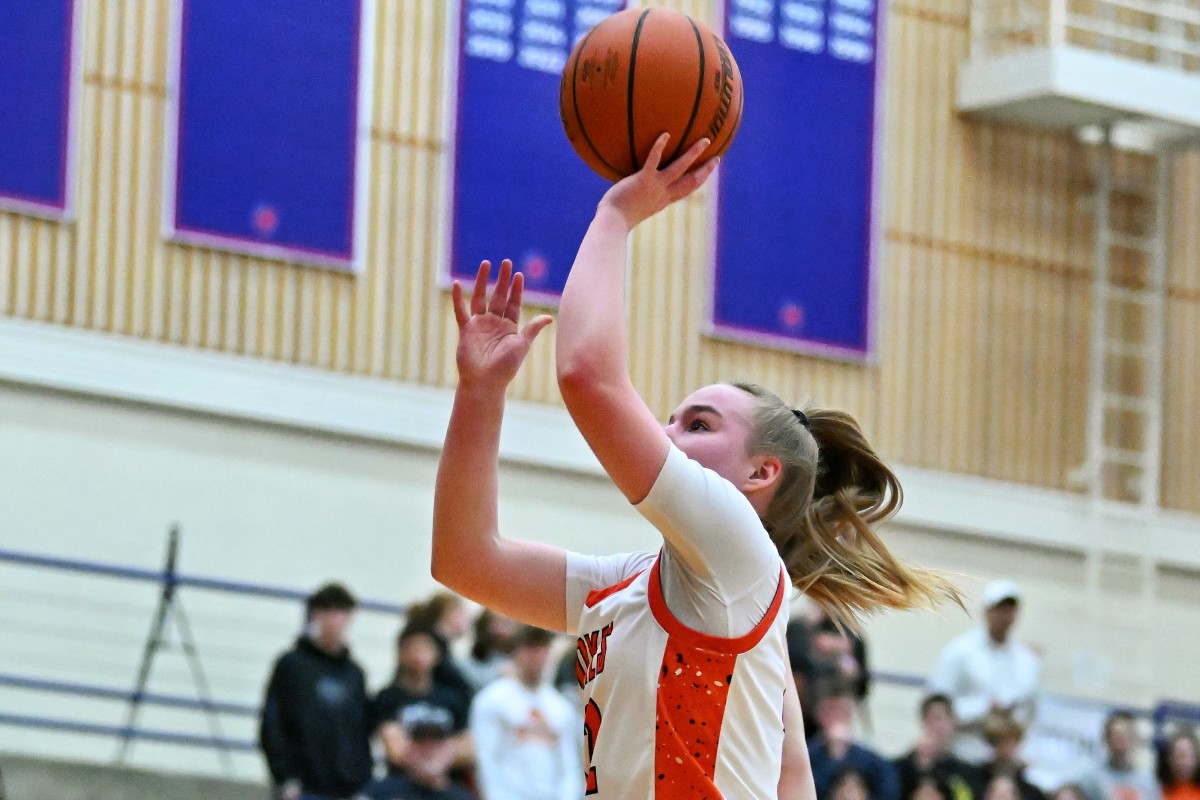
(833, 490)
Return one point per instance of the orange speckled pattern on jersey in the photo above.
(693, 684)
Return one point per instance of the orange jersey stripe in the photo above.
(693, 685)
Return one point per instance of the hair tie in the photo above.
(800, 415)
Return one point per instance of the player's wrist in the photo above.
(481, 387)
(611, 216)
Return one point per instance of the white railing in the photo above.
(1162, 32)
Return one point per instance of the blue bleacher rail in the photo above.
(163, 578)
(1167, 710)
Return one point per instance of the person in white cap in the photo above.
(985, 670)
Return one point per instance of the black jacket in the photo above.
(316, 721)
(1025, 789)
(961, 778)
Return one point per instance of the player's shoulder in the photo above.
(597, 573)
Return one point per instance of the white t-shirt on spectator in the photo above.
(526, 743)
(973, 671)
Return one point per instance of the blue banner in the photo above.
(35, 104)
(519, 191)
(267, 127)
(796, 218)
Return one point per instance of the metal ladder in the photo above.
(1123, 459)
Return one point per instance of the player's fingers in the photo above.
(460, 310)
(500, 293)
(513, 311)
(536, 326)
(656, 152)
(681, 165)
(693, 180)
(479, 294)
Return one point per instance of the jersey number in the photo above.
(591, 731)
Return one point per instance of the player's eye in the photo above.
(698, 425)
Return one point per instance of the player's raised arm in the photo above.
(593, 374)
(524, 580)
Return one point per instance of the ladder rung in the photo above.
(1119, 455)
(1131, 242)
(1130, 295)
(1127, 350)
(1139, 191)
(1123, 402)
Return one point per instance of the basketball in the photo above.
(639, 73)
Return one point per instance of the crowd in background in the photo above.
(476, 709)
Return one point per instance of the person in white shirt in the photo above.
(986, 670)
(526, 743)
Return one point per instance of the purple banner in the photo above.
(36, 82)
(796, 218)
(267, 128)
(518, 189)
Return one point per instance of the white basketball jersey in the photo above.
(674, 714)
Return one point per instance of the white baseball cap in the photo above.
(997, 592)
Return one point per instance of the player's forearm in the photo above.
(465, 495)
(591, 343)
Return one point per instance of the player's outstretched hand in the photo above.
(649, 190)
(491, 343)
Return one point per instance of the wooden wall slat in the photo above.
(983, 273)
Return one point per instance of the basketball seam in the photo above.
(732, 129)
(575, 105)
(637, 34)
(699, 93)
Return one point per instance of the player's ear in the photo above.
(766, 475)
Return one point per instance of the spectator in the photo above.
(1179, 767)
(445, 616)
(315, 720)
(431, 751)
(849, 784)
(1004, 734)
(1117, 778)
(1001, 787)
(985, 670)
(564, 676)
(495, 636)
(526, 743)
(415, 697)
(818, 649)
(932, 757)
(1068, 791)
(834, 749)
(929, 787)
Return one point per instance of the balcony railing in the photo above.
(1164, 33)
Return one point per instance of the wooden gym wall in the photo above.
(984, 278)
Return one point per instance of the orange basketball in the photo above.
(641, 72)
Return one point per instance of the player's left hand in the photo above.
(649, 190)
(491, 343)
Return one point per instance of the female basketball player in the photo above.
(681, 653)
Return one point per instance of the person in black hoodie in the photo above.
(316, 720)
(445, 616)
(933, 756)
